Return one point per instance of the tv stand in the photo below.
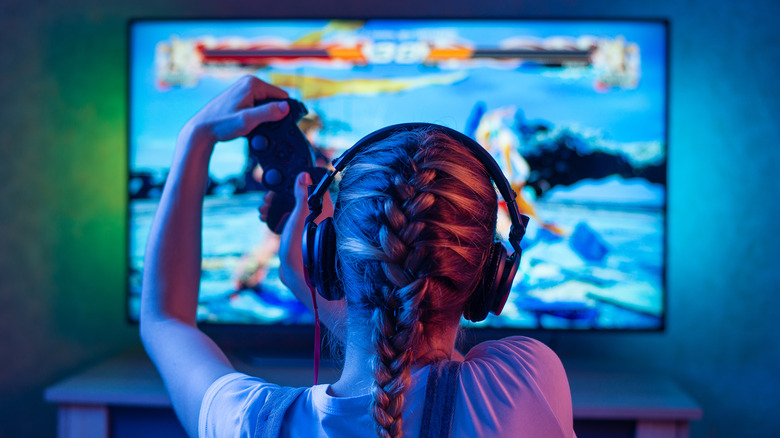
(125, 397)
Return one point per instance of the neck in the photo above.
(357, 376)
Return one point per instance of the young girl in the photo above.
(414, 220)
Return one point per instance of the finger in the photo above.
(251, 117)
(274, 92)
(261, 90)
(302, 183)
(265, 206)
(294, 226)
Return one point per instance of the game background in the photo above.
(558, 287)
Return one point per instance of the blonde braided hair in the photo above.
(414, 220)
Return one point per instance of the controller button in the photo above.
(259, 143)
(273, 177)
(284, 152)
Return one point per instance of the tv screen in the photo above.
(574, 111)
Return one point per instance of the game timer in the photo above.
(283, 152)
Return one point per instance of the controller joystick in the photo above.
(259, 143)
(283, 152)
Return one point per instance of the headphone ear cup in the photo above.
(482, 299)
(323, 269)
(503, 283)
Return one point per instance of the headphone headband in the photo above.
(318, 243)
(519, 222)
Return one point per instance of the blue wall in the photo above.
(62, 212)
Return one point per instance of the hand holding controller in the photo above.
(283, 152)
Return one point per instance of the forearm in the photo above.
(332, 313)
(173, 255)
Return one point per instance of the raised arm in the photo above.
(188, 361)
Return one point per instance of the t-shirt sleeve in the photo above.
(518, 383)
(231, 405)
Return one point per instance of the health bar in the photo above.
(356, 55)
(266, 56)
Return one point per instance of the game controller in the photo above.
(283, 152)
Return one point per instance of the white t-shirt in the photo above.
(514, 387)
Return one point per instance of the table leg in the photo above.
(662, 429)
(75, 421)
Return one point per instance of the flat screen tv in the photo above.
(574, 111)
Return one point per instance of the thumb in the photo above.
(302, 183)
(298, 216)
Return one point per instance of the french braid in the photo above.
(414, 219)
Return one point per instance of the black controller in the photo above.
(283, 152)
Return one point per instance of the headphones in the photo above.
(319, 240)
